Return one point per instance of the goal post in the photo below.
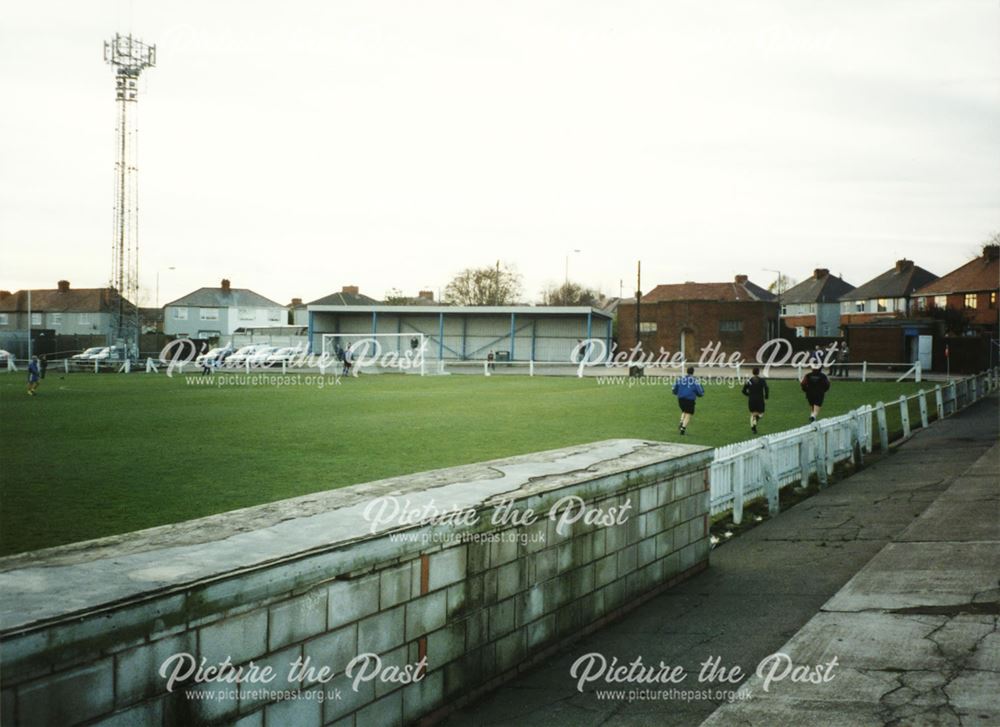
(403, 353)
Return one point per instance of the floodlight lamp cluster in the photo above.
(129, 56)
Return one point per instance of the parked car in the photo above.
(217, 355)
(285, 354)
(88, 353)
(259, 357)
(108, 353)
(242, 355)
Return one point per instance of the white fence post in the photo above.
(922, 400)
(738, 482)
(864, 371)
(883, 427)
(531, 367)
(939, 402)
(904, 415)
(96, 365)
(820, 456)
(486, 368)
(150, 366)
(918, 372)
(804, 461)
(769, 461)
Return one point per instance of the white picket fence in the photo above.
(744, 471)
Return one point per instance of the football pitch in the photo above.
(96, 455)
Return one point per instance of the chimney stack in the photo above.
(5, 294)
(741, 279)
(991, 252)
(296, 302)
(63, 286)
(820, 273)
(225, 285)
(426, 294)
(349, 290)
(903, 264)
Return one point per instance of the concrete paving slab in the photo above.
(916, 632)
(905, 575)
(760, 590)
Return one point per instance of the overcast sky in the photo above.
(296, 147)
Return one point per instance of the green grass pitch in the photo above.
(95, 455)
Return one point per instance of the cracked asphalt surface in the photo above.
(915, 630)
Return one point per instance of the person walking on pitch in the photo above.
(687, 389)
(757, 391)
(34, 373)
(815, 384)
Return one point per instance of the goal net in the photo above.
(377, 353)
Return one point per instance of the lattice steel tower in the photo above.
(128, 57)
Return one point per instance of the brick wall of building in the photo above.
(703, 321)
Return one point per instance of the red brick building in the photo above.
(686, 317)
(972, 289)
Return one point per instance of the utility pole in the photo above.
(638, 298)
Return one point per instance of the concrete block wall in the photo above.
(478, 603)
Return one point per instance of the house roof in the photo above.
(225, 298)
(981, 273)
(346, 299)
(897, 282)
(69, 300)
(820, 287)
(741, 290)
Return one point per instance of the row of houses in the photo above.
(902, 310)
(904, 303)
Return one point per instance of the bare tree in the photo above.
(498, 285)
(394, 296)
(570, 293)
(782, 283)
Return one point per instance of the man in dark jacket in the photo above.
(757, 391)
(687, 389)
(815, 384)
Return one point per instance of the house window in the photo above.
(940, 301)
(83, 319)
(180, 314)
(246, 314)
(730, 326)
(970, 300)
(209, 314)
(274, 314)
(800, 331)
(36, 319)
(784, 310)
(882, 305)
(647, 326)
(3, 319)
(859, 306)
(55, 319)
(921, 303)
(993, 299)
